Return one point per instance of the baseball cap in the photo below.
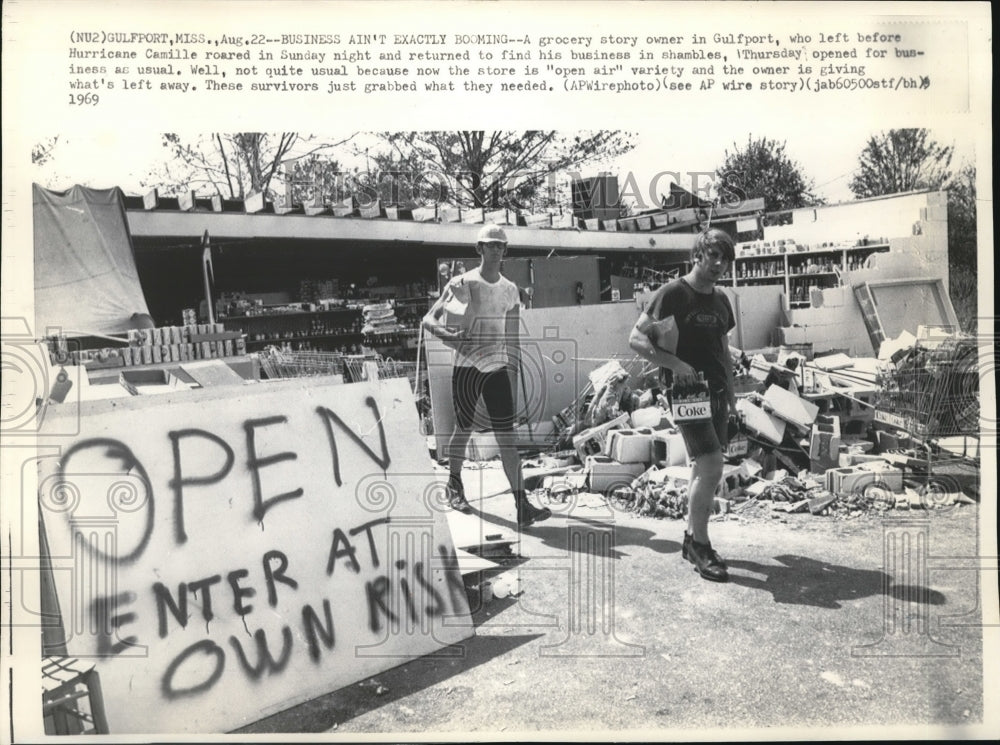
(491, 234)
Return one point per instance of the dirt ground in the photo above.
(852, 624)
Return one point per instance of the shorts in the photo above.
(704, 437)
(468, 384)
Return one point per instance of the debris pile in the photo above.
(812, 436)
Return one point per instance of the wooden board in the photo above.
(224, 554)
(869, 312)
(208, 373)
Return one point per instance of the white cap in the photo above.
(491, 234)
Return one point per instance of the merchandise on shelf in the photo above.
(152, 346)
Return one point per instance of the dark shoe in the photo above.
(707, 562)
(686, 547)
(528, 514)
(457, 500)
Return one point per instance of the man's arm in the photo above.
(650, 340)
(434, 324)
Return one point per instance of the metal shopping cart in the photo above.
(930, 392)
(279, 363)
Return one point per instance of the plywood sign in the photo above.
(225, 554)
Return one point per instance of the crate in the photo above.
(72, 701)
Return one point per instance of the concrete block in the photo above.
(593, 441)
(722, 506)
(886, 473)
(791, 335)
(648, 416)
(934, 212)
(757, 420)
(791, 408)
(604, 474)
(915, 500)
(824, 444)
(853, 480)
(667, 448)
(937, 198)
(836, 297)
(808, 316)
(849, 458)
(631, 445)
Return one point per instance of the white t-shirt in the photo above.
(485, 319)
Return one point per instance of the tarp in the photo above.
(85, 275)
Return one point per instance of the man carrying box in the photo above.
(487, 352)
(685, 330)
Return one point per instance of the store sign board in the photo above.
(224, 554)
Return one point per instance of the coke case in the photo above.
(692, 401)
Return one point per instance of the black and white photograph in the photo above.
(498, 371)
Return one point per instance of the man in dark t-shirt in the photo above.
(685, 331)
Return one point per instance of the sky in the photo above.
(127, 161)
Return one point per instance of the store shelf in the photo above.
(306, 337)
(790, 260)
(869, 247)
(289, 314)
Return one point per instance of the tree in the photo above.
(962, 243)
(762, 169)
(901, 160)
(494, 169)
(963, 285)
(232, 165)
(41, 152)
